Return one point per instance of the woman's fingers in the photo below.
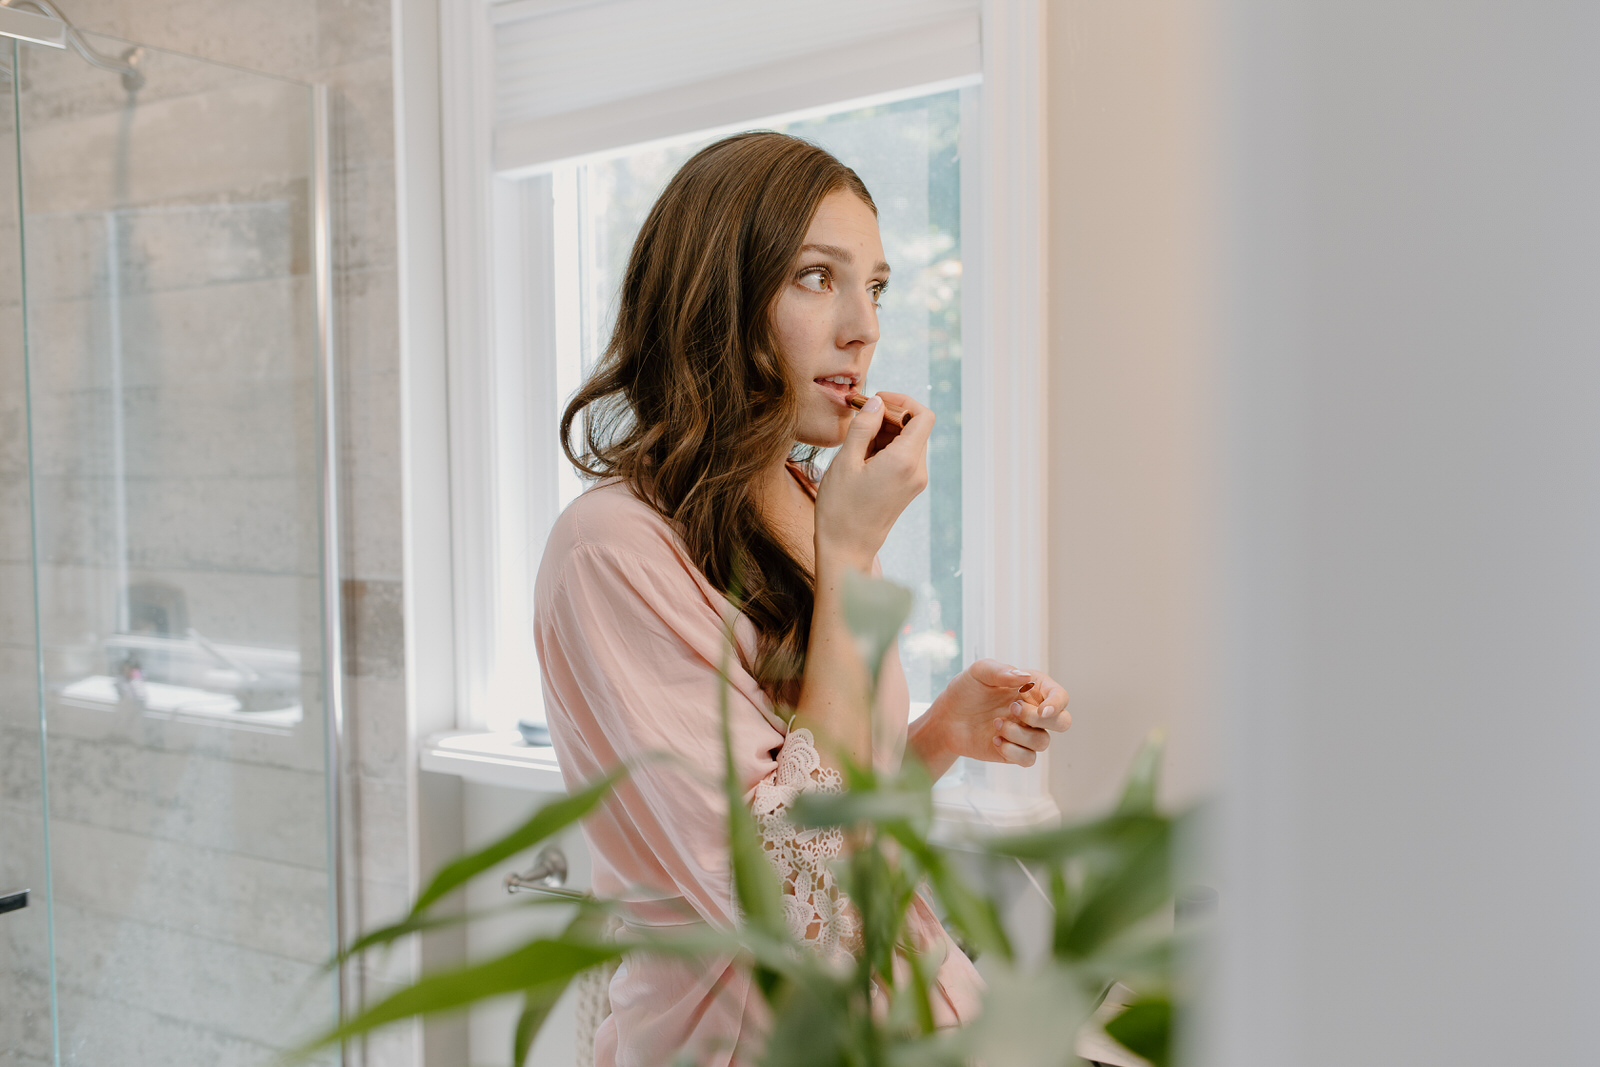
(1028, 737)
(1046, 705)
(863, 427)
(917, 421)
(998, 674)
(1014, 753)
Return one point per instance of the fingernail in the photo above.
(873, 403)
(1025, 688)
(1046, 711)
(1016, 673)
(1016, 707)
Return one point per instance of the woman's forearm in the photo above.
(926, 739)
(835, 695)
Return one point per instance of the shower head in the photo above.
(127, 65)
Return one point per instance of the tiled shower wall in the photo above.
(258, 919)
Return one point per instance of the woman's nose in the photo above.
(860, 322)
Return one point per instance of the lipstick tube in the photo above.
(897, 419)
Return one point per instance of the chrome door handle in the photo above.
(13, 901)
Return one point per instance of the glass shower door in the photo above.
(26, 1033)
(168, 232)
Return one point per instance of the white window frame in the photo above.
(1004, 412)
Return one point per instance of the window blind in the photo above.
(576, 77)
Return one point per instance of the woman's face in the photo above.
(826, 317)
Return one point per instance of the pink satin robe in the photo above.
(630, 636)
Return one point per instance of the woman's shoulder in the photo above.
(608, 521)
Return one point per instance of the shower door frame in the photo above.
(46, 30)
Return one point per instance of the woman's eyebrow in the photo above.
(842, 254)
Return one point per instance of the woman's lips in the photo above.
(834, 389)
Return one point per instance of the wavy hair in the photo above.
(689, 405)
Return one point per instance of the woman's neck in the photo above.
(789, 512)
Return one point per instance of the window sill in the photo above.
(961, 812)
(502, 759)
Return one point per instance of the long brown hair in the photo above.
(689, 405)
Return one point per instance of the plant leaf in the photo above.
(1095, 841)
(856, 806)
(874, 610)
(1145, 1029)
(1120, 897)
(541, 962)
(553, 896)
(1139, 791)
(536, 1005)
(552, 818)
(973, 914)
(1030, 1019)
(755, 883)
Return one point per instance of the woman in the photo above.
(747, 315)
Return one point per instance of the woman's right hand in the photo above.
(864, 492)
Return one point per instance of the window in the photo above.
(908, 154)
(544, 201)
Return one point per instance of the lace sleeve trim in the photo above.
(820, 916)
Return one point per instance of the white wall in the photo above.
(1326, 496)
(1131, 486)
(1411, 529)
(491, 811)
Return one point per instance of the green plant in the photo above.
(1110, 884)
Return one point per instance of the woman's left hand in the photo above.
(985, 714)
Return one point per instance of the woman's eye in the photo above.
(877, 294)
(815, 279)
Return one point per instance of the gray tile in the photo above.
(25, 1037)
(261, 36)
(13, 424)
(367, 337)
(10, 247)
(79, 607)
(384, 973)
(399, 1045)
(211, 429)
(184, 429)
(181, 143)
(383, 902)
(378, 724)
(96, 253)
(361, 111)
(22, 854)
(257, 34)
(386, 830)
(265, 812)
(16, 604)
(371, 521)
(374, 628)
(99, 1030)
(364, 229)
(76, 519)
(349, 30)
(19, 696)
(71, 432)
(251, 331)
(16, 527)
(221, 896)
(213, 988)
(259, 525)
